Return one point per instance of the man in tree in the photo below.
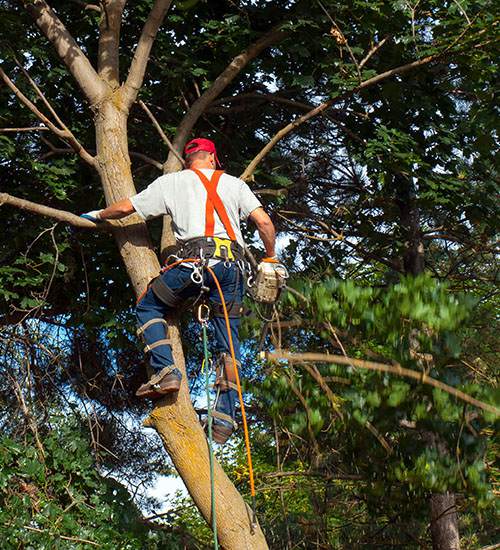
(206, 206)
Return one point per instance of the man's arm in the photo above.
(117, 210)
(266, 230)
(114, 211)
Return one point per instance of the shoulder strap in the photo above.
(214, 202)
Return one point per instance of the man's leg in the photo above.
(165, 293)
(232, 287)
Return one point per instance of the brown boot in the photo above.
(168, 380)
(225, 376)
(221, 431)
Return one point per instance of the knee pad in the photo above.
(156, 343)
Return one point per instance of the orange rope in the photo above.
(240, 395)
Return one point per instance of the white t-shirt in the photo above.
(183, 196)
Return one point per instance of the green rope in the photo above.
(210, 440)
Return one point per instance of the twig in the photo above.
(381, 367)
(373, 51)
(161, 132)
(342, 40)
(74, 539)
(28, 129)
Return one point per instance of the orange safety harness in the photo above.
(214, 203)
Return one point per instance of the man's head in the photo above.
(201, 151)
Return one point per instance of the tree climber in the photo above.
(206, 206)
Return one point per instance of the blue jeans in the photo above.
(178, 279)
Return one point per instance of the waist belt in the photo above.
(211, 247)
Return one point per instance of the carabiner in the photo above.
(203, 313)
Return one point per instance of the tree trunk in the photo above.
(444, 518)
(173, 418)
(444, 522)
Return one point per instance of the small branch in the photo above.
(346, 477)
(373, 51)
(28, 129)
(64, 537)
(381, 367)
(139, 62)
(341, 39)
(61, 215)
(159, 129)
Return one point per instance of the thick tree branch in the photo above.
(61, 215)
(63, 133)
(67, 49)
(141, 56)
(218, 85)
(397, 369)
(109, 39)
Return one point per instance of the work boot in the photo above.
(168, 380)
(223, 427)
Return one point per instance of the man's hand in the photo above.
(93, 216)
(271, 264)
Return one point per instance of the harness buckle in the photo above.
(223, 249)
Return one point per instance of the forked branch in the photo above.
(63, 133)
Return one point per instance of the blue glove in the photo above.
(93, 216)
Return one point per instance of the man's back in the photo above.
(183, 196)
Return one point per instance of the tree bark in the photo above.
(444, 522)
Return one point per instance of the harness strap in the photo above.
(165, 293)
(158, 343)
(214, 202)
(234, 310)
(146, 325)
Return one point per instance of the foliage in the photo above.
(59, 500)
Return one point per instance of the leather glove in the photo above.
(271, 264)
(93, 216)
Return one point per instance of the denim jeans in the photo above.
(178, 279)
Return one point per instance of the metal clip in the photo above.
(197, 276)
(203, 313)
